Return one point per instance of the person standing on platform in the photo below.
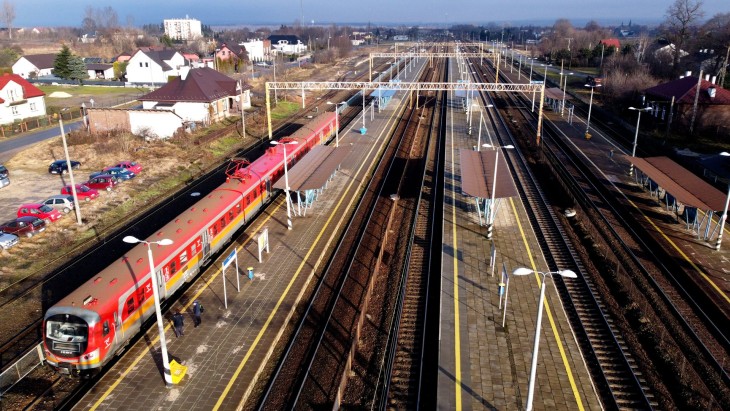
(197, 310)
(178, 321)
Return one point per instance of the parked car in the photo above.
(27, 226)
(119, 173)
(132, 166)
(82, 192)
(102, 182)
(7, 240)
(4, 173)
(43, 211)
(61, 166)
(61, 202)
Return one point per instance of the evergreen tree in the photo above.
(60, 64)
(77, 69)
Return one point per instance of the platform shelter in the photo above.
(478, 180)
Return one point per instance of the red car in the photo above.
(83, 192)
(102, 182)
(132, 166)
(27, 226)
(42, 211)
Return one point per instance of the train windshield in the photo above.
(67, 328)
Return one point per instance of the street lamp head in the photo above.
(522, 271)
(640, 109)
(131, 239)
(164, 241)
(725, 153)
(567, 274)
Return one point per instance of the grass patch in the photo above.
(88, 90)
(224, 145)
(283, 110)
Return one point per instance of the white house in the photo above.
(19, 99)
(183, 29)
(155, 67)
(203, 95)
(258, 50)
(286, 44)
(35, 65)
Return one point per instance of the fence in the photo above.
(20, 369)
(10, 130)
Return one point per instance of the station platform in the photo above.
(227, 353)
(483, 365)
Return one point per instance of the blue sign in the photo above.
(229, 259)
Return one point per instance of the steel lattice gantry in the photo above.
(408, 86)
(431, 56)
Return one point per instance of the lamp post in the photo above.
(337, 121)
(533, 368)
(565, 86)
(239, 88)
(636, 134)
(155, 292)
(479, 138)
(590, 106)
(724, 214)
(286, 180)
(490, 227)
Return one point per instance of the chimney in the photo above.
(707, 77)
(714, 80)
(712, 91)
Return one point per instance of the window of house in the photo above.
(141, 64)
(32, 107)
(146, 64)
(15, 110)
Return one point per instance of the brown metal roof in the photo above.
(315, 168)
(686, 187)
(477, 174)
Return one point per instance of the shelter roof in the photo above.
(477, 174)
(684, 90)
(556, 93)
(684, 185)
(315, 168)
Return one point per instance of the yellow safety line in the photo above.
(457, 328)
(291, 282)
(679, 250)
(568, 370)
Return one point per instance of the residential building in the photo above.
(19, 99)
(155, 67)
(183, 29)
(35, 65)
(612, 42)
(201, 95)
(257, 50)
(286, 44)
(100, 71)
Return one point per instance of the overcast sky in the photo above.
(235, 12)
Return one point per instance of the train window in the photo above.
(105, 328)
(140, 295)
(230, 215)
(173, 267)
(248, 200)
(130, 306)
(223, 222)
(215, 230)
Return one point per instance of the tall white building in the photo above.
(183, 29)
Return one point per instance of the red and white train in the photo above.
(84, 330)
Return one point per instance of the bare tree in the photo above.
(717, 37)
(8, 16)
(680, 22)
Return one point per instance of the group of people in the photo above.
(178, 321)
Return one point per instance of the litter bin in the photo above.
(588, 136)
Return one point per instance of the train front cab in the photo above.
(69, 343)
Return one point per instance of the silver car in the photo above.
(61, 202)
(7, 240)
(4, 182)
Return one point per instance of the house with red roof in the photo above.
(202, 95)
(678, 97)
(19, 99)
(612, 42)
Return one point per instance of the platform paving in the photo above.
(225, 354)
(483, 365)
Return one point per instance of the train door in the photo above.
(206, 245)
(268, 188)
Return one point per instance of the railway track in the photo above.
(671, 310)
(316, 365)
(621, 384)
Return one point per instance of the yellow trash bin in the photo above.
(588, 136)
(178, 371)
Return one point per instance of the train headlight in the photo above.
(91, 356)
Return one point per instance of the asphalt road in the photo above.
(9, 147)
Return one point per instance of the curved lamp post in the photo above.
(492, 208)
(636, 134)
(533, 368)
(590, 106)
(286, 180)
(337, 121)
(155, 292)
(481, 119)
